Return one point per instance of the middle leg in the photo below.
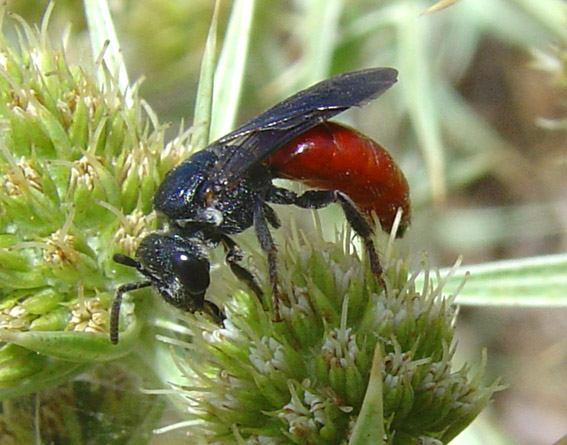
(233, 257)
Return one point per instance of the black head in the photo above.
(177, 267)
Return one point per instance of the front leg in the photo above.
(317, 199)
(233, 256)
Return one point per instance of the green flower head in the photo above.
(311, 378)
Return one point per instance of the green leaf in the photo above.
(204, 98)
(230, 69)
(75, 347)
(526, 282)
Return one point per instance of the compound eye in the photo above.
(192, 272)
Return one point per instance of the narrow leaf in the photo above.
(527, 282)
(230, 69)
(203, 103)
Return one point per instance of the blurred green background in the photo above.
(477, 122)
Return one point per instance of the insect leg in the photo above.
(272, 216)
(214, 311)
(233, 256)
(267, 244)
(316, 199)
(362, 228)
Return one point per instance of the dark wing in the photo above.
(257, 139)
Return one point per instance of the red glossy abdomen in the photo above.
(334, 157)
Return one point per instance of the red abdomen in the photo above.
(334, 157)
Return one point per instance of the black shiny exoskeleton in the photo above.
(226, 188)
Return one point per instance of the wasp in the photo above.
(228, 187)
